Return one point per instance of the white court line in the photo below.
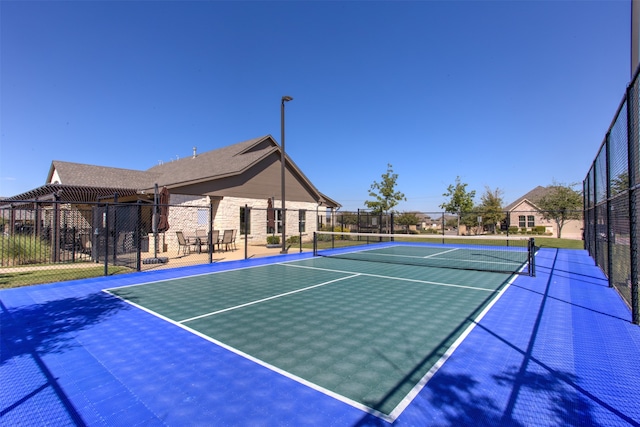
(393, 278)
(439, 253)
(404, 403)
(213, 313)
(466, 260)
(358, 405)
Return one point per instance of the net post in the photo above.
(315, 243)
(246, 235)
(532, 257)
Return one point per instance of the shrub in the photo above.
(513, 230)
(293, 239)
(540, 229)
(273, 240)
(22, 250)
(339, 229)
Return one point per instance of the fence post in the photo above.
(246, 234)
(55, 231)
(209, 238)
(138, 235)
(106, 239)
(633, 159)
(609, 206)
(392, 224)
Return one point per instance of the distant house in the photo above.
(524, 214)
(224, 181)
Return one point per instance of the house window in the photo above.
(302, 220)
(277, 222)
(531, 221)
(245, 220)
(203, 217)
(522, 221)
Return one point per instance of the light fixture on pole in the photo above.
(282, 170)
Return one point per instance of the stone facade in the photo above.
(190, 213)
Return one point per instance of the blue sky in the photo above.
(504, 94)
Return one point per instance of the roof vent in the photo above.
(194, 152)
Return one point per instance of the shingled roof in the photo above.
(212, 165)
(80, 174)
(223, 162)
(532, 196)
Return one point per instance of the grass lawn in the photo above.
(16, 279)
(552, 242)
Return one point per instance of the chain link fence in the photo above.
(108, 238)
(611, 201)
(473, 223)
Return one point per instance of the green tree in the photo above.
(619, 184)
(346, 219)
(406, 219)
(451, 222)
(460, 201)
(491, 208)
(561, 203)
(385, 194)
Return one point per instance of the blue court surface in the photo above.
(550, 350)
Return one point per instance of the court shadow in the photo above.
(447, 390)
(570, 403)
(47, 327)
(31, 332)
(584, 278)
(574, 304)
(464, 399)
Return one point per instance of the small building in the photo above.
(524, 214)
(220, 186)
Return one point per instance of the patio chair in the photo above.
(183, 243)
(233, 239)
(201, 239)
(227, 239)
(85, 243)
(215, 239)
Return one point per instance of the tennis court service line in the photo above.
(224, 310)
(428, 282)
(439, 253)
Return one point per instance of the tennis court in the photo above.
(303, 340)
(366, 334)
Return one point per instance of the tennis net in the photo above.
(496, 254)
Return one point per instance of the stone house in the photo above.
(222, 185)
(523, 213)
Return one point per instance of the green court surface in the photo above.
(368, 334)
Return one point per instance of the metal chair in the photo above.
(227, 239)
(183, 243)
(215, 239)
(233, 239)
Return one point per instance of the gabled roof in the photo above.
(532, 197)
(80, 174)
(221, 163)
(225, 162)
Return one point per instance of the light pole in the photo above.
(282, 170)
